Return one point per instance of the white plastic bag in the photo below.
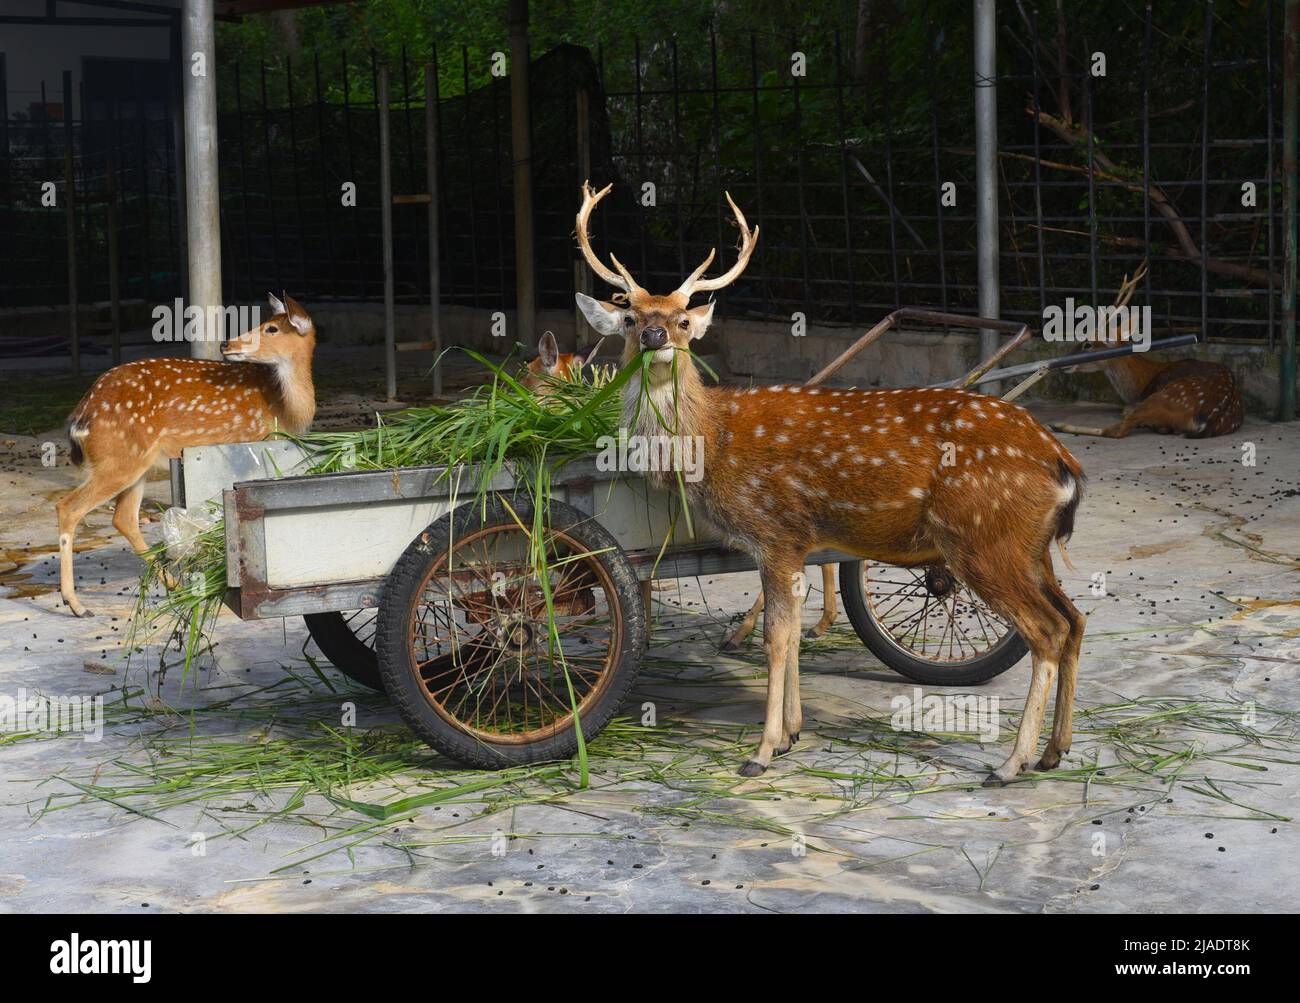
(182, 527)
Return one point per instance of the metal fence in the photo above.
(845, 173)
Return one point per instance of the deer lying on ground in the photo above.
(147, 411)
(789, 470)
(551, 366)
(1189, 397)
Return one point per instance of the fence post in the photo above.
(386, 223)
(1287, 408)
(523, 173)
(986, 172)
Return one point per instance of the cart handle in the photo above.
(1022, 334)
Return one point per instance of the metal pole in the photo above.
(202, 192)
(1287, 401)
(386, 216)
(70, 214)
(986, 177)
(431, 169)
(523, 178)
(114, 263)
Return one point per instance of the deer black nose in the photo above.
(654, 337)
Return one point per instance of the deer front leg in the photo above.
(828, 602)
(780, 630)
(744, 628)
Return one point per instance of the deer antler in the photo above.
(750, 237)
(1128, 285)
(622, 279)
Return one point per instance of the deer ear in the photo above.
(298, 317)
(548, 351)
(605, 318)
(701, 318)
(277, 305)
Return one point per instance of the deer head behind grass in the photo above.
(908, 477)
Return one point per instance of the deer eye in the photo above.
(684, 324)
(271, 329)
(628, 320)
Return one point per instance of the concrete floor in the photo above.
(1202, 558)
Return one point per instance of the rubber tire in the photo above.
(1002, 656)
(400, 593)
(352, 657)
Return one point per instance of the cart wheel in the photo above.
(348, 641)
(925, 624)
(463, 639)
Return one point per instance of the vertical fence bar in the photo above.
(469, 178)
(112, 223)
(70, 215)
(352, 176)
(717, 136)
(243, 186)
(1038, 169)
(1146, 145)
(320, 179)
(582, 282)
(1205, 173)
(297, 174)
(640, 154)
(431, 172)
(889, 170)
(758, 161)
(986, 173)
(844, 171)
(1290, 39)
(676, 161)
(522, 148)
(804, 257)
(1268, 111)
(146, 238)
(494, 92)
(938, 178)
(1092, 185)
(270, 184)
(386, 228)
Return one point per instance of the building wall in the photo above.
(36, 53)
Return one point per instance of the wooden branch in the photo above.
(1078, 136)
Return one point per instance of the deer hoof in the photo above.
(752, 769)
(1051, 759)
(729, 647)
(993, 780)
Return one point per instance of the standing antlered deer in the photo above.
(551, 366)
(789, 470)
(141, 412)
(1189, 397)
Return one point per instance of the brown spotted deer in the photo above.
(147, 411)
(1189, 397)
(552, 366)
(909, 477)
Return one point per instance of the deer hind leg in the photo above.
(126, 516)
(828, 602)
(1172, 408)
(1020, 593)
(743, 629)
(71, 509)
(1063, 716)
(780, 631)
